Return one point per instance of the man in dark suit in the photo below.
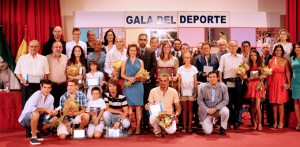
(177, 51)
(148, 57)
(55, 36)
(266, 57)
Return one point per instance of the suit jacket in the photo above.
(180, 59)
(268, 59)
(205, 102)
(149, 60)
(200, 62)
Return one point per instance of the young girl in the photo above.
(255, 63)
(95, 108)
(187, 89)
(94, 78)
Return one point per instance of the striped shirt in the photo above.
(118, 102)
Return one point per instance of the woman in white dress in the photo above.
(284, 40)
(94, 78)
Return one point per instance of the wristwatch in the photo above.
(119, 120)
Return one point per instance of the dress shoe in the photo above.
(222, 131)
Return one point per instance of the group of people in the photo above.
(95, 75)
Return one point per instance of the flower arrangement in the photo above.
(70, 106)
(73, 70)
(165, 119)
(142, 73)
(265, 70)
(117, 64)
(242, 69)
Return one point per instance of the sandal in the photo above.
(280, 126)
(254, 127)
(183, 130)
(137, 132)
(190, 130)
(275, 126)
(298, 127)
(158, 135)
(130, 132)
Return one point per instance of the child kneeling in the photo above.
(96, 108)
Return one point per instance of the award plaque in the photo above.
(169, 70)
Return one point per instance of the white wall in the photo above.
(69, 6)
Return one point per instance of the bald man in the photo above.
(57, 36)
(97, 55)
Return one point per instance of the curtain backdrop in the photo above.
(293, 19)
(38, 15)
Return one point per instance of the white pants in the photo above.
(207, 124)
(154, 122)
(92, 128)
(62, 129)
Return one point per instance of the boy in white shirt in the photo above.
(96, 108)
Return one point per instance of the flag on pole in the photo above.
(23, 49)
(7, 77)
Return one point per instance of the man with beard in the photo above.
(148, 57)
(177, 51)
(57, 36)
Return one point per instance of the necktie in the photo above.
(177, 55)
(266, 60)
(142, 53)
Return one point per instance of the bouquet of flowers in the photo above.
(265, 70)
(142, 73)
(242, 69)
(117, 64)
(165, 119)
(70, 106)
(73, 70)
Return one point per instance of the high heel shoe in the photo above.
(298, 127)
(254, 127)
(275, 125)
(130, 132)
(280, 126)
(137, 132)
(259, 127)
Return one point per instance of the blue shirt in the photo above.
(100, 59)
(80, 99)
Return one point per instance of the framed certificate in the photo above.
(79, 134)
(155, 109)
(92, 82)
(113, 133)
(207, 69)
(254, 74)
(169, 70)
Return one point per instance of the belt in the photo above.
(231, 79)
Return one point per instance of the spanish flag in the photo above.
(23, 49)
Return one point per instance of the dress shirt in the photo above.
(168, 99)
(70, 45)
(27, 65)
(57, 68)
(112, 56)
(229, 64)
(37, 100)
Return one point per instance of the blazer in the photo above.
(205, 102)
(200, 62)
(149, 60)
(180, 59)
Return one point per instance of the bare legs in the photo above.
(187, 114)
(297, 110)
(256, 113)
(280, 108)
(138, 111)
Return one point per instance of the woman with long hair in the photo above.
(255, 77)
(76, 66)
(134, 92)
(295, 64)
(279, 84)
(109, 40)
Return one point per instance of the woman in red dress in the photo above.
(279, 83)
(255, 76)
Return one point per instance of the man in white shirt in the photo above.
(222, 48)
(115, 54)
(30, 70)
(227, 73)
(34, 114)
(70, 45)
